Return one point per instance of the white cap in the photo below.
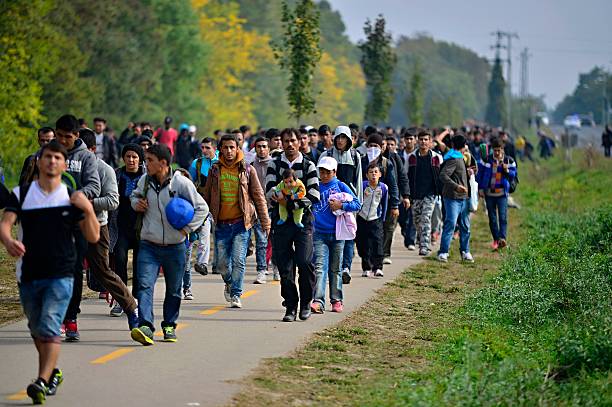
(308, 128)
(329, 163)
(342, 130)
(192, 129)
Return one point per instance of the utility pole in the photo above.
(524, 85)
(509, 36)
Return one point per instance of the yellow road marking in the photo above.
(212, 310)
(111, 356)
(249, 293)
(22, 395)
(178, 328)
(275, 283)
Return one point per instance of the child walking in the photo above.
(370, 221)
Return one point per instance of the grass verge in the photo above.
(533, 331)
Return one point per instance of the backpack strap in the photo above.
(140, 215)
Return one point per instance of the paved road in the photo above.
(217, 346)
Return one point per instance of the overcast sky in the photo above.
(564, 37)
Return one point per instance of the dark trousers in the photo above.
(607, 151)
(120, 254)
(389, 228)
(407, 225)
(370, 243)
(97, 256)
(291, 247)
(77, 288)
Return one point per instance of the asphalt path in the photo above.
(217, 345)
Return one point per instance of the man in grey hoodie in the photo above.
(97, 253)
(82, 167)
(161, 244)
(348, 172)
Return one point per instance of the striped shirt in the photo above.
(305, 171)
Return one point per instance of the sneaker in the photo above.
(495, 245)
(235, 302)
(276, 276)
(187, 294)
(346, 276)
(379, 273)
(366, 273)
(57, 377)
(37, 391)
(72, 331)
(215, 271)
(132, 319)
(261, 277)
(116, 311)
(337, 307)
(169, 333)
(387, 260)
(201, 268)
(502, 243)
(142, 335)
(411, 247)
(317, 308)
(227, 293)
(467, 257)
(424, 252)
(443, 257)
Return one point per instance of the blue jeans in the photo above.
(261, 243)
(150, 258)
(347, 254)
(328, 255)
(45, 303)
(497, 209)
(457, 211)
(187, 275)
(231, 244)
(407, 226)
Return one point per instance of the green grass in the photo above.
(530, 326)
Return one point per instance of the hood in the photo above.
(263, 160)
(349, 143)
(237, 161)
(452, 153)
(79, 147)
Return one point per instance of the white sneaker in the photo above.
(275, 273)
(116, 311)
(443, 257)
(261, 277)
(411, 247)
(235, 302)
(467, 257)
(379, 273)
(187, 294)
(366, 273)
(227, 293)
(387, 260)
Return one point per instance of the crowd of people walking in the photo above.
(300, 200)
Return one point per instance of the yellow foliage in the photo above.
(235, 54)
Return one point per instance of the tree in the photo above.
(378, 62)
(587, 97)
(496, 107)
(299, 53)
(416, 98)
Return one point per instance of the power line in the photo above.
(500, 35)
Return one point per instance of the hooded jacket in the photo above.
(436, 162)
(155, 226)
(206, 165)
(452, 174)
(251, 198)
(82, 165)
(324, 219)
(349, 165)
(109, 192)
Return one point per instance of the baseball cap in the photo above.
(329, 163)
(192, 129)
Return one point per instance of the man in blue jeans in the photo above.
(161, 244)
(455, 193)
(45, 270)
(494, 176)
(235, 197)
(328, 250)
